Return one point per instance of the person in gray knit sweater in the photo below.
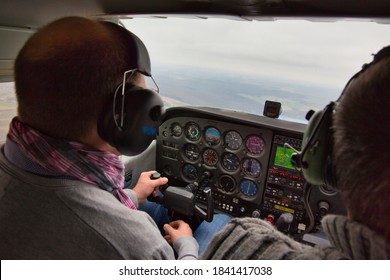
(361, 137)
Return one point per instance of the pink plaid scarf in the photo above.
(72, 159)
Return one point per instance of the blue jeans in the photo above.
(203, 234)
(206, 231)
(158, 213)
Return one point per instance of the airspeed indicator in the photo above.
(192, 131)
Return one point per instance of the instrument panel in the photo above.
(245, 159)
(235, 155)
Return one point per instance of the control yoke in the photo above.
(183, 200)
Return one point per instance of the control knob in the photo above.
(256, 214)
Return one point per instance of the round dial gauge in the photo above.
(233, 140)
(248, 188)
(190, 172)
(230, 162)
(255, 144)
(212, 135)
(192, 131)
(251, 167)
(227, 183)
(176, 129)
(191, 152)
(210, 157)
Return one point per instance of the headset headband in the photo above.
(140, 59)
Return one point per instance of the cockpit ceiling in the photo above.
(32, 14)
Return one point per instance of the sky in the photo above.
(326, 53)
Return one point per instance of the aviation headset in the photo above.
(315, 159)
(129, 122)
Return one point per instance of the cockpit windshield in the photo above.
(239, 64)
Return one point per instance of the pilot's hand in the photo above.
(146, 186)
(176, 229)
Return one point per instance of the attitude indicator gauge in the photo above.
(212, 136)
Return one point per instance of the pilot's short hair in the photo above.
(361, 154)
(65, 73)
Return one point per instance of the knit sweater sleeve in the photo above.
(186, 248)
(249, 238)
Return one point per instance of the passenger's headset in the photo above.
(315, 158)
(129, 122)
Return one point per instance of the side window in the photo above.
(7, 108)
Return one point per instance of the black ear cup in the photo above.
(316, 156)
(142, 109)
(129, 122)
